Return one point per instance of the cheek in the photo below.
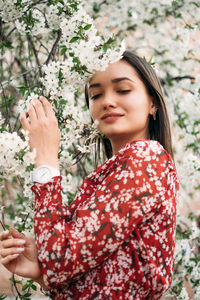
(139, 105)
(92, 111)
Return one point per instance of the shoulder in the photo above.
(150, 156)
(145, 150)
(155, 160)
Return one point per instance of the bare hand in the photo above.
(19, 254)
(44, 134)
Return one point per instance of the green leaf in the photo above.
(74, 39)
(76, 60)
(26, 286)
(16, 281)
(88, 26)
(34, 287)
(60, 77)
(27, 295)
(154, 11)
(62, 101)
(96, 7)
(22, 89)
(105, 48)
(63, 50)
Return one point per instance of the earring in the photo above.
(154, 115)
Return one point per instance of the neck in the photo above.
(119, 142)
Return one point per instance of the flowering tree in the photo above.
(51, 48)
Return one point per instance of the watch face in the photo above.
(43, 173)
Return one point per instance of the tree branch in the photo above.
(15, 285)
(53, 50)
(18, 61)
(12, 30)
(16, 77)
(6, 106)
(35, 53)
(42, 45)
(4, 228)
(177, 78)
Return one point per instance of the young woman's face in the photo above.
(119, 101)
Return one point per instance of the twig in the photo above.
(23, 70)
(7, 112)
(80, 162)
(4, 228)
(35, 53)
(53, 50)
(12, 30)
(16, 123)
(41, 44)
(177, 78)
(1, 29)
(25, 219)
(7, 82)
(15, 285)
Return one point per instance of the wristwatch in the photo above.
(43, 174)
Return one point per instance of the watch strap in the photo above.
(35, 175)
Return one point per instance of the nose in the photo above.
(108, 101)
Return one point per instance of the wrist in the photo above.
(45, 161)
(44, 174)
(40, 281)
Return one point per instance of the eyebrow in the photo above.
(113, 81)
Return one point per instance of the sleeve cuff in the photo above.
(51, 294)
(47, 193)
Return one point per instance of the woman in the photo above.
(116, 240)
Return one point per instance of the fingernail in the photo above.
(20, 249)
(21, 242)
(6, 232)
(15, 255)
(33, 101)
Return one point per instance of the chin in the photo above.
(112, 131)
(113, 134)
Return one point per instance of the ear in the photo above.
(153, 107)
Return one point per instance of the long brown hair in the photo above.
(159, 129)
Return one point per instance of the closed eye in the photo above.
(120, 92)
(123, 91)
(95, 96)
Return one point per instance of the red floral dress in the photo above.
(116, 240)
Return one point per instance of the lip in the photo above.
(111, 115)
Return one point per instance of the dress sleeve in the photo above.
(131, 192)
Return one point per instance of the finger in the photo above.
(12, 238)
(24, 121)
(8, 259)
(32, 113)
(4, 234)
(47, 107)
(4, 252)
(16, 234)
(39, 108)
(12, 242)
(21, 238)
